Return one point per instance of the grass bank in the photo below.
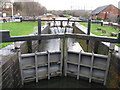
(108, 30)
(18, 29)
(98, 32)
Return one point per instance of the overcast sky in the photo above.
(76, 4)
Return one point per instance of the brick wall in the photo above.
(10, 72)
(110, 11)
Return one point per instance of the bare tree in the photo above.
(29, 8)
(3, 3)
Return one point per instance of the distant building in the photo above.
(105, 12)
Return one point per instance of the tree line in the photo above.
(30, 8)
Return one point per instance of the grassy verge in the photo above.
(99, 32)
(18, 29)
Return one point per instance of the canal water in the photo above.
(61, 82)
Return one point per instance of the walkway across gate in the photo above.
(40, 65)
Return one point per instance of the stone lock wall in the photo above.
(10, 73)
(113, 79)
(102, 48)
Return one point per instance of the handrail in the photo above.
(54, 36)
(62, 20)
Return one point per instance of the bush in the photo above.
(98, 18)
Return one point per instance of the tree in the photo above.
(3, 3)
(29, 8)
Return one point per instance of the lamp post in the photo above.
(12, 8)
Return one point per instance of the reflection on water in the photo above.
(63, 82)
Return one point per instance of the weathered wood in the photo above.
(51, 36)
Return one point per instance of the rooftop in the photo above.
(99, 9)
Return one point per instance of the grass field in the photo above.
(18, 29)
(99, 33)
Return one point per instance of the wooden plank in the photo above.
(79, 59)
(51, 36)
(36, 67)
(48, 64)
(21, 72)
(91, 67)
(108, 63)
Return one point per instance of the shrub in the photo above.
(98, 18)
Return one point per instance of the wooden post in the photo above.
(74, 28)
(64, 55)
(36, 67)
(89, 27)
(48, 64)
(61, 24)
(65, 50)
(88, 32)
(111, 49)
(102, 23)
(79, 60)
(39, 33)
(54, 22)
(20, 65)
(91, 68)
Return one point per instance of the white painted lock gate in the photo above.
(40, 65)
